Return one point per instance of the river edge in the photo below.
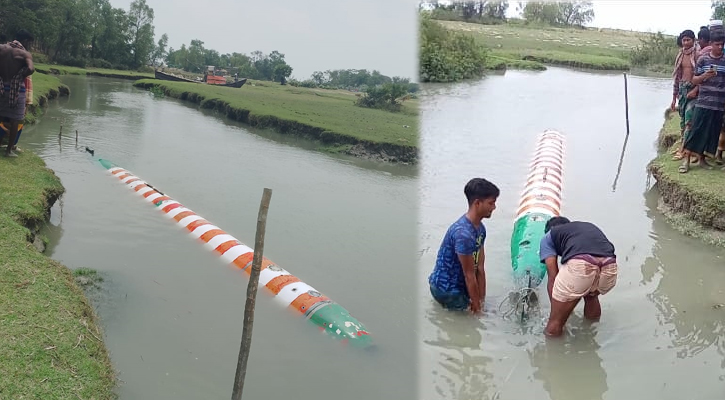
(692, 203)
(330, 141)
(51, 338)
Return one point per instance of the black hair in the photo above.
(23, 35)
(717, 35)
(704, 33)
(3, 38)
(479, 188)
(555, 221)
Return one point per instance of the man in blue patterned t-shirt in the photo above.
(458, 280)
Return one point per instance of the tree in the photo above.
(576, 12)
(718, 10)
(160, 51)
(141, 29)
(282, 72)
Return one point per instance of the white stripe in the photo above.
(539, 177)
(176, 211)
(541, 164)
(191, 218)
(219, 239)
(114, 169)
(266, 275)
(541, 185)
(289, 293)
(230, 255)
(145, 190)
(547, 157)
(549, 153)
(541, 191)
(202, 230)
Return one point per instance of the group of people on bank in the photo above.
(699, 96)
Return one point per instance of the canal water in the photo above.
(661, 324)
(171, 311)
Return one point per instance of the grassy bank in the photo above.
(328, 116)
(607, 49)
(51, 345)
(45, 88)
(108, 73)
(693, 203)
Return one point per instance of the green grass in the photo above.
(113, 73)
(695, 201)
(330, 113)
(45, 87)
(588, 48)
(51, 345)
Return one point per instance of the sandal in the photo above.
(683, 169)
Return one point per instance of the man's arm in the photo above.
(481, 275)
(552, 269)
(27, 57)
(700, 74)
(471, 285)
(549, 256)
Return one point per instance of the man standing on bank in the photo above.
(589, 269)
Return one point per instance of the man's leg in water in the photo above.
(560, 312)
(592, 308)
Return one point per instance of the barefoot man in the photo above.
(458, 280)
(683, 91)
(15, 65)
(707, 117)
(588, 269)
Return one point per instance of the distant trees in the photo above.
(567, 13)
(471, 11)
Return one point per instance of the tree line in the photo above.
(565, 13)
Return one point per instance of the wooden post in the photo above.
(76, 136)
(626, 102)
(61, 130)
(251, 297)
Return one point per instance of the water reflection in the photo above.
(462, 370)
(570, 367)
(689, 294)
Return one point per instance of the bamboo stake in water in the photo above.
(626, 103)
(76, 136)
(251, 297)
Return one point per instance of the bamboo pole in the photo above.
(251, 297)
(626, 102)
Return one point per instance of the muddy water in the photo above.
(661, 323)
(171, 310)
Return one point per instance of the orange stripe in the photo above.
(197, 224)
(210, 235)
(132, 181)
(222, 248)
(265, 263)
(118, 171)
(126, 175)
(553, 200)
(244, 260)
(183, 215)
(279, 282)
(548, 167)
(162, 198)
(537, 180)
(139, 187)
(147, 194)
(171, 207)
(524, 209)
(305, 301)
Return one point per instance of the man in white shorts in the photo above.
(589, 269)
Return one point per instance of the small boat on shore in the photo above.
(219, 82)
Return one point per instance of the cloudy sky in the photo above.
(314, 35)
(372, 34)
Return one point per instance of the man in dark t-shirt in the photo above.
(589, 268)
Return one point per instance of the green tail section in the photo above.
(337, 322)
(528, 270)
(106, 164)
